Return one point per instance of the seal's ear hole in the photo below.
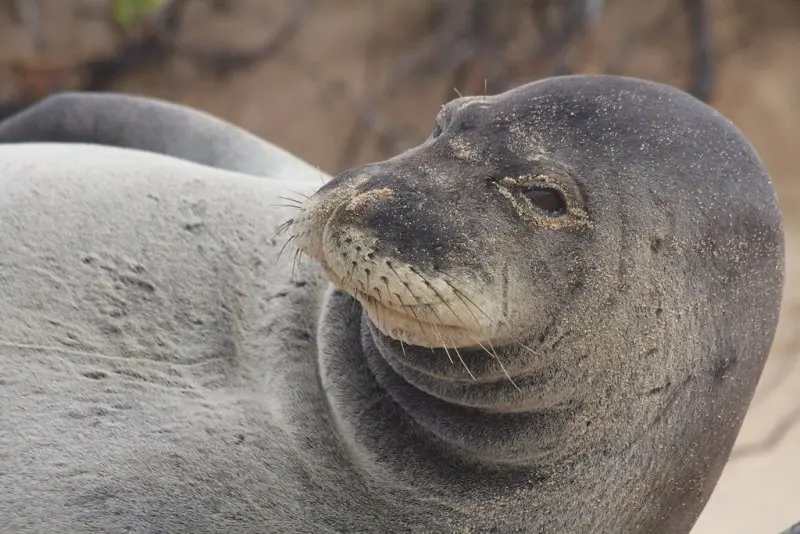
(437, 131)
(546, 199)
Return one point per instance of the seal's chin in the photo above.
(410, 324)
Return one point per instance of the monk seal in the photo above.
(550, 316)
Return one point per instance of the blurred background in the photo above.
(344, 82)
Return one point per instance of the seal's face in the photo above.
(452, 243)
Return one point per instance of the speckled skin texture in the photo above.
(160, 371)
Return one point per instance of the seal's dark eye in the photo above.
(437, 131)
(548, 200)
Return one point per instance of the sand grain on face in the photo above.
(362, 199)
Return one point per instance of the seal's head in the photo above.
(581, 240)
(582, 274)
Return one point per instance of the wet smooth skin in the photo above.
(550, 316)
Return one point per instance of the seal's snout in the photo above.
(377, 205)
(340, 194)
(381, 235)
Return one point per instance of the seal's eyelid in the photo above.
(539, 194)
(548, 199)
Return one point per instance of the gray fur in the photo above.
(160, 372)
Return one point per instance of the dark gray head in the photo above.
(582, 267)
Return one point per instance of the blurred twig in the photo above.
(160, 43)
(360, 129)
(468, 46)
(29, 13)
(223, 62)
(146, 48)
(555, 37)
(701, 85)
(364, 109)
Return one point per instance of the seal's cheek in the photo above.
(541, 272)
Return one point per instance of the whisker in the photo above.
(389, 290)
(442, 300)
(466, 306)
(280, 253)
(444, 346)
(290, 199)
(503, 367)
(411, 309)
(410, 291)
(291, 206)
(474, 339)
(524, 346)
(380, 309)
(296, 260)
(462, 296)
(430, 309)
(465, 300)
(307, 197)
(346, 282)
(349, 275)
(402, 281)
(282, 228)
(452, 277)
(421, 327)
(464, 364)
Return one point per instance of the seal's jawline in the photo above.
(370, 303)
(450, 329)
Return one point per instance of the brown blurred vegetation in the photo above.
(344, 81)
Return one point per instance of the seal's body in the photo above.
(548, 317)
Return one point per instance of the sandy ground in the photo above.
(293, 101)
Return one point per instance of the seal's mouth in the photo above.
(414, 324)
